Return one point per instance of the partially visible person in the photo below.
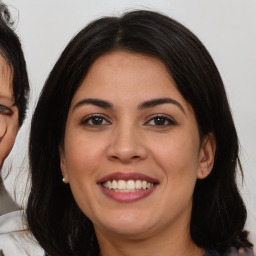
(14, 92)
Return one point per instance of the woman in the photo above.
(14, 85)
(135, 120)
(14, 90)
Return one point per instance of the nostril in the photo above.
(125, 157)
(126, 150)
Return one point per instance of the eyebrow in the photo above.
(95, 102)
(144, 105)
(155, 102)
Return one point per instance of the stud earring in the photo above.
(64, 180)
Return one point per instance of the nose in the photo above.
(126, 145)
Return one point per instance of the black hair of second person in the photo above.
(218, 214)
(11, 51)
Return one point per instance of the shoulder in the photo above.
(15, 239)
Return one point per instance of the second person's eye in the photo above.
(5, 111)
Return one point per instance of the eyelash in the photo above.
(94, 117)
(5, 111)
(88, 121)
(163, 118)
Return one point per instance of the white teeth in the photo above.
(138, 184)
(127, 186)
(130, 184)
(144, 184)
(114, 184)
(121, 184)
(109, 184)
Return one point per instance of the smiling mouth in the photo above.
(128, 186)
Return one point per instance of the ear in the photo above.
(8, 132)
(63, 164)
(206, 156)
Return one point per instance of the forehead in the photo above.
(6, 77)
(112, 63)
(123, 76)
(120, 71)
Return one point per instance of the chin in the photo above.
(129, 231)
(129, 224)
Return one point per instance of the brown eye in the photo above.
(160, 121)
(95, 121)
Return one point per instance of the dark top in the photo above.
(231, 252)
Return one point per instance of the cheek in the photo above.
(82, 160)
(178, 158)
(179, 150)
(3, 127)
(84, 155)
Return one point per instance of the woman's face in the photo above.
(132, 152)
(8, 112)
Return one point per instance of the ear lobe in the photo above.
(63, 165)
(206, 156)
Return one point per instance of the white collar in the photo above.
(12, 222)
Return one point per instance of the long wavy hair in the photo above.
(218, 213)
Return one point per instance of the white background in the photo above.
(226, 27)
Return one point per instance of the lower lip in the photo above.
(127, 197)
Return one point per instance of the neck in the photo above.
(162, 244)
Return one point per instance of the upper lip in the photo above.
(126, 177)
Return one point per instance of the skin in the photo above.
(8, 111)
(131, 139)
